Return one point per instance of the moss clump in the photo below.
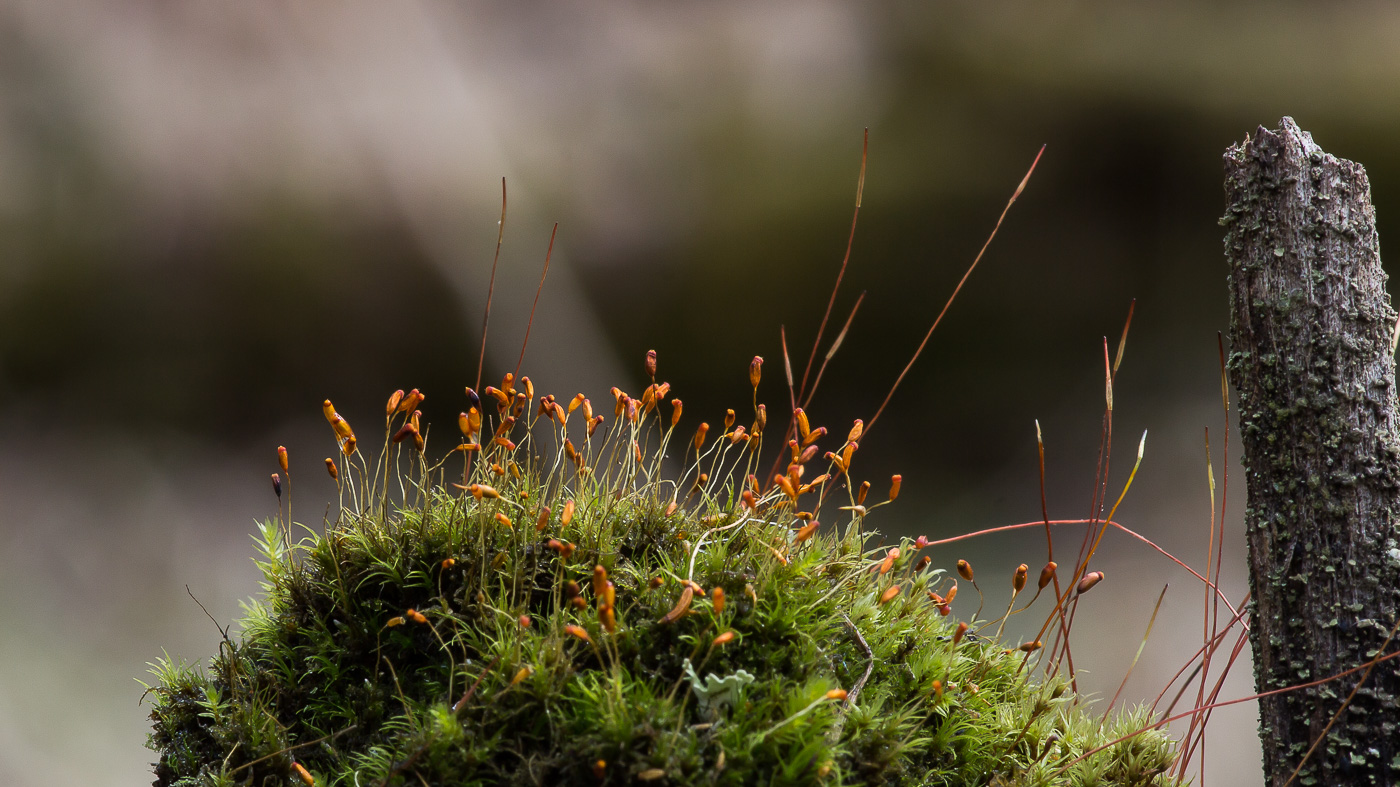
(578, 616)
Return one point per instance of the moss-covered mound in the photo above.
(578, 616)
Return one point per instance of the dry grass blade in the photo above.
(956, 290)
(548, 253)
(1136, 656)
(836, 345)
(1123, 340)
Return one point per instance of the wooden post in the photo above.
(1312, 359)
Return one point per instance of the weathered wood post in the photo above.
(1312, 360)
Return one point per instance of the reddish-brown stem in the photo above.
(956, 290)
(840, 274)
(1366, 666)
(491, 286)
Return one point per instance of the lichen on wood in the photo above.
(1312, 360)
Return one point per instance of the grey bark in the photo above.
(1312, 361)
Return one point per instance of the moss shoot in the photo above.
(559, 602)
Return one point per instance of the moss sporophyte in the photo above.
(698, 627)
(567, 597)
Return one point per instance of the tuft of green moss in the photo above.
(680, 624)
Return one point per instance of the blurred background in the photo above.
(213, 216)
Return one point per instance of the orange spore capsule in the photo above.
(895, 482)
(331, 468)
(806, 531)
(682, 606)
(803, 427)
(960, 633)
(965, 570)
(542, 521)
(1030, 647)
(577, 631)
(480, 491)
(464, 424)
(656, 582)
(587, 409)
(952, 594)
(862, 492)
(448, 563)
(889, 594)
(814, 435)
(393, 404)
(348, 447)
(1046, 574)
(571, 588)
(567, 515)
(671, 508)
(857, 429)
(304, 775)
(728, 418)
(328, 410)
(700, 435)
(395, 621)
(576, 402)
(600, 768)
(416, 616)
(521, 675)
(404, 432)
(923, 563)
(1018, 580)
(411, 401)
(836, 694)
(282, 458)
(717, 599)
(525, 621)
(504, 520)
(760, 419)
(723, 639)
(755, 370)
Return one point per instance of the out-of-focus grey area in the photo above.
(213, 216)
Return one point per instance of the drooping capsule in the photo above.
(1046, 574)
(1088, 582)
(965, 570)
